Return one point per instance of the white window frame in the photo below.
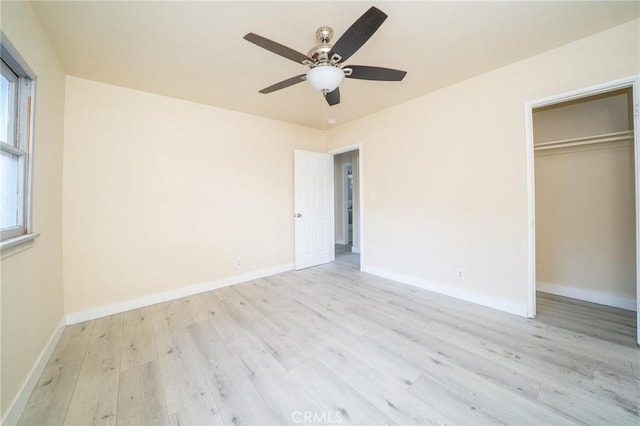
(20, 141)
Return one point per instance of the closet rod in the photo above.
(587, 140)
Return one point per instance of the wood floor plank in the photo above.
(182, 378)
(615, 333)
(305, 326)
(73, 342)
(340, 401)
(604, 350)
(298, 286)
(355, 289)
(500, 402)
(384, 361)
(49, 401)
(270, 303)
(202, 412)
(387, 395)
(95, 397)
(282, 347)
(322, 320)
(452, 403)
(138, 344)
(237, 400)
(284, 395)
(625, 390)
(192, 310)
(219, 315)
(585, 407)
(581, 306)
(410, 345)
(583, 315)
(449, 351)
(584, 312)
(325, 305)
(141, 398)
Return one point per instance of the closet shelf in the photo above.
(586, 140)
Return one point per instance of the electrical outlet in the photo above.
(460, 274)
(238, 263)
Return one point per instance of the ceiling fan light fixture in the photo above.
(325, 78)
(326, 60)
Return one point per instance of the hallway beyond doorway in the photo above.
(346, 257)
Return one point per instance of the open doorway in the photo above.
(583, 206)
(347, 207)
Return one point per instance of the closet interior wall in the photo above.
(585, 199)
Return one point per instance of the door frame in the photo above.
(349, 148)
(345, 199)
(629, 82)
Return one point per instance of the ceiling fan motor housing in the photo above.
(320, 53)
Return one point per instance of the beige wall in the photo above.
(161, 193)
(585, 202)
(445, 179)
(605, 113)
(32, 305)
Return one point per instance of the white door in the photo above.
(314, 232)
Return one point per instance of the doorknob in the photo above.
(298, 215)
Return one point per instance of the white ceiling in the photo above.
(195, 50)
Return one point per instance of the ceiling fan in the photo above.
(327, 61)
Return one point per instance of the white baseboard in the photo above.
(341, 242)
(355, 249)
(593, 296)
(152, 299)
(20, 402)
(480, 299)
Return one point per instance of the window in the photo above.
(16, 106)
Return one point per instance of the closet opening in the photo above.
(347, 207)
(585, 197)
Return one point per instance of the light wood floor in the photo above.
(589, 319)
(333, 345)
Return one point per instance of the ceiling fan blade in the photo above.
(333, 98)
(284, 83)
(278, 48)
(363, 72)
(358, 34)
